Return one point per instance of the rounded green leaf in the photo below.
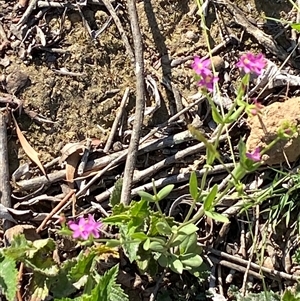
(191, 260)
(163, 260)
(176, 265)
(156, 246)
(146, 244)
(188, 229)
(163, 228)
(139, 235)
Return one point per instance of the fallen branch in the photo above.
(139, 103)
(93, 166)
(4, 169)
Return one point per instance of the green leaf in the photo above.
(217, 216)
(156, 217)
(235, 115)
(296, 26)
(139, 209)
(209, 200)
(82, 267)
(163, 260)
(193, 186)
(117, 219)
(146, 244)
(178, 240)
(241, 90)
(139, 235)
(157, 246)
(175, 264)
(119, 209)
(8, 277)
(191, 260)
(217, 117)
(18, 248)
(146, 196)
(130, 246)
(41, 246)
(38, 287)
(189, 245)
(61, 285)
(211, 151)
(115, 197)
(188, 229)
(107, 289)
(163, 228)
(164, 192)
(242, 151)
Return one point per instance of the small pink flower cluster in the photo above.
(202, 68)
(255, 155)
(252, 63)
(85, 227)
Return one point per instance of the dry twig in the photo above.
(116, 121)
(122, 32)
(139, 104)
(4, 169)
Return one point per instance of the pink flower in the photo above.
(207, 81)
(201, 66)
(250, 62)
(255, 155)
(93, 226)
(85, 227)
(255, 108)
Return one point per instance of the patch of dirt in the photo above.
(264, 129)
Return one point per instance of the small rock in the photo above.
(265, 126)
(191, 35)
(16, 81)
(29, 232)
(218, 63)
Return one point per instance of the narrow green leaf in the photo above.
(217, 117)
(211, 151)
(146, 196)
(117, 219)
(115, 197)
(217, 216)
(164, 192)
(193, 185)
(209, 200)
